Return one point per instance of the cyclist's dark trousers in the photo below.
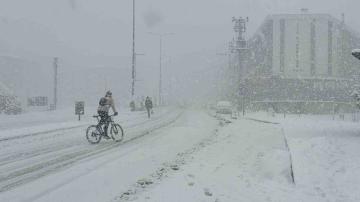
(104, 120)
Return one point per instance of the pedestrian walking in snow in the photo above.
(148, 105)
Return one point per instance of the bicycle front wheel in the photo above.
(117, 133)
(93, 135)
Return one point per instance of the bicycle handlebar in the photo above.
(96, 116)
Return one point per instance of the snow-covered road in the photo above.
(94, 173)
(28, 157)
(188, 156)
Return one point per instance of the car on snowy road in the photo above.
(224, 107)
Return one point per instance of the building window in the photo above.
(297, 51)
(313, 48)
(270, 35)
(282, 45)
(330, 48)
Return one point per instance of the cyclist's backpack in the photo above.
(102, 101)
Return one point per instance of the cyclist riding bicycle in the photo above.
(103, 110)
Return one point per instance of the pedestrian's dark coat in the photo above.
(148, 103)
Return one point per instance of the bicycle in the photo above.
(94, 133)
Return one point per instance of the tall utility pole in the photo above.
(160, 73)
(55, 81)
(160, 35)
(133, 57)
(241, 49)
(239, 43)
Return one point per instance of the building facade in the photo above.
(305, 46)
(302, 58)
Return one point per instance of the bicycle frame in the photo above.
(109, 120)
(115, 130)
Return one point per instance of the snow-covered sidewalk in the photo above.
(325, 152)
(244, 161)
(248, 161)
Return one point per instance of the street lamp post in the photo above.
(55, 82)
(160, 35)
(133, 56)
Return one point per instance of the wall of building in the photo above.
(306, 46)
(310, 60)
(301, 46)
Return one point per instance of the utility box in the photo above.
(79, 108)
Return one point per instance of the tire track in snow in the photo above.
(56, 147)
(41, 133)
(62, 129)
(170, 167)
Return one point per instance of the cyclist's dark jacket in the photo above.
(108, 103)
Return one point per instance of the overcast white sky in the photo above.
(104, 26)
(81, 30)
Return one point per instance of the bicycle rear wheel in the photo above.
(117, 133)
(93, 135)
